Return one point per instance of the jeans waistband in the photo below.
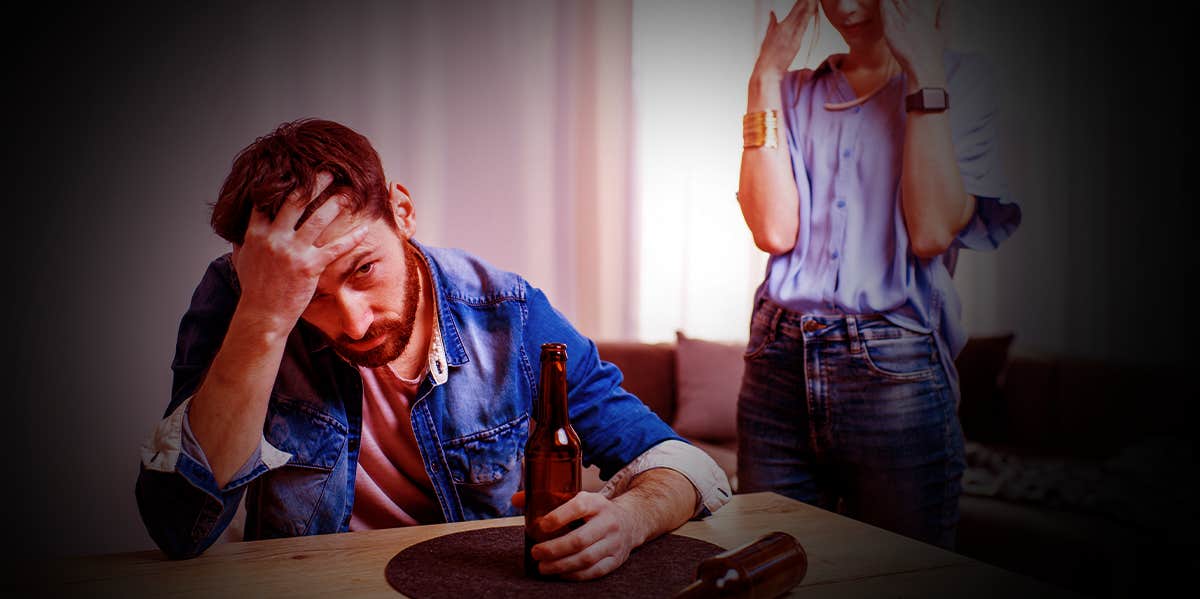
(830, 326)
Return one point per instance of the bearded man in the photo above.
(340, 376)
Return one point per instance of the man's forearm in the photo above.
(659, 500)
(227, 413)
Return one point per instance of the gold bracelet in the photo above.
(760, 129)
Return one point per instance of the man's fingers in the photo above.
(295, 205)
(290, 210)
(310, 230)
(580, 506)
(571, 543)
(518, 499)
(342, 245)
(577, 560)
(258, 224)
(592, 550)
(599, 569)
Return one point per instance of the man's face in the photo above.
(366, 302)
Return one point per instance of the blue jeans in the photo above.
(852, 414)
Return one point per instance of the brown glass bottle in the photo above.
(762, 569)
(553, 457)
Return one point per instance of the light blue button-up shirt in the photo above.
(852, 251)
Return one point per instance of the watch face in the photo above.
(928, 99)
(934, 99)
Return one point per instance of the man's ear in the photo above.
(402, 209)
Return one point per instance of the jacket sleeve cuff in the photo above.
(174, 448)
(711, 484)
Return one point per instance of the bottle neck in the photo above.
(552, 397)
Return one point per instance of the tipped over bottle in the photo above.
(765, 568)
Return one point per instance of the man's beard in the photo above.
(397, 332)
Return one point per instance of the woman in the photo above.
(862, 178)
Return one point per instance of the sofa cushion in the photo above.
(649, 372)
(708, 375)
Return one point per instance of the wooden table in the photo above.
(846, 559)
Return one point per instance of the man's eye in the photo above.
(366, 268)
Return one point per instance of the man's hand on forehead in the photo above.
(280, 260)
(320, 196)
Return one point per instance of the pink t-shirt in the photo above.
(391, 487)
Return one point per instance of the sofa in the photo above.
(1078, 472)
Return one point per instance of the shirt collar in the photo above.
(438, 364)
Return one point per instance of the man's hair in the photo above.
(267, 171)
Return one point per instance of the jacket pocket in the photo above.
(488, 456)
(314, 438)
(486, 469)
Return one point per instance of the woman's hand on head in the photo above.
(914, 35)
(783, 39)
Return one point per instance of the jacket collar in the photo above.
(455, 352)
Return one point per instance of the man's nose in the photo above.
(355, 315)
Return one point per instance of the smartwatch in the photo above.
(927, 99)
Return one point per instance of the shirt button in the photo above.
(811, 325)
(857, 109)
(841, 203)
(834, 255)
(846, 153)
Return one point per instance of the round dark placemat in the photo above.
(488, 563)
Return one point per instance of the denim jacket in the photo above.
(470, 425)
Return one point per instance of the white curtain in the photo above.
(692, 61)
(512, 129)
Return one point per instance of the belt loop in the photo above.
(852, 330)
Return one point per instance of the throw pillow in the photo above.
(709, 376)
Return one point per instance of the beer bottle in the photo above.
(553, 457)
(762, 569)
